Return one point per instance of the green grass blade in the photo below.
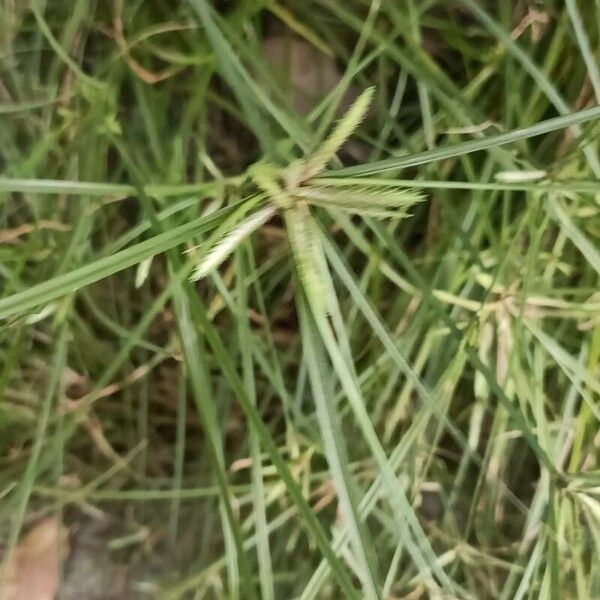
(591, 61)
(265, 564)
(422, 158)
(25, 486)
(336, 454)
(50, 290)
(312, 523)
(589, 251)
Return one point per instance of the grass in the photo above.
(345, 352)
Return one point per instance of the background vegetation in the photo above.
(381, 379)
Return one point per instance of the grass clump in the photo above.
(349, 350)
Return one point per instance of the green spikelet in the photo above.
(342, 131)
(307, 254)
(366, 200)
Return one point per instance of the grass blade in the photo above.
(42, 293)
(456, 150)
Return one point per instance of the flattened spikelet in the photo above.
(367, 200)
(229, 243)
(342, 131)
(307, 254)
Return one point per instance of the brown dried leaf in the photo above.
(33, 570)
(11, 236)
